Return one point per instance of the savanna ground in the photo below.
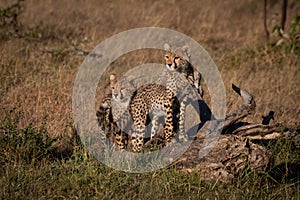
(42, 48)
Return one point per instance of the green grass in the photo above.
(31, 169)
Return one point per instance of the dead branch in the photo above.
(283, 13)
(265, 20)
(247, 108)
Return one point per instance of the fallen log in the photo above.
(228, 143)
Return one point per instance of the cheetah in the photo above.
(109, 119)
(111, 130)
(183, 79)
(179, 59)
(173, 84)
(150, 99)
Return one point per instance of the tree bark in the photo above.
(265, 20)
(283, 13)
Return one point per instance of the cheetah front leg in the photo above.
(181, 135)
(169, 126)
(197, 83)
(154, 128)
(137, 142)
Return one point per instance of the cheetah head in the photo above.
(176, 58)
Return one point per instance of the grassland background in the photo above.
(41, 55)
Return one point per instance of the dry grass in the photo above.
(38, 69)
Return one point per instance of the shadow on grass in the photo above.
(286, 172)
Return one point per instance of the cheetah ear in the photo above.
(112, 77)
(167, 47)
(113, 81)
(187, 50)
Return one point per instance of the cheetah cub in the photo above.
(178, 59)
(150, 99)
(183, 80)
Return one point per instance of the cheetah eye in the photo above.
(167, 57)
(176, 58)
